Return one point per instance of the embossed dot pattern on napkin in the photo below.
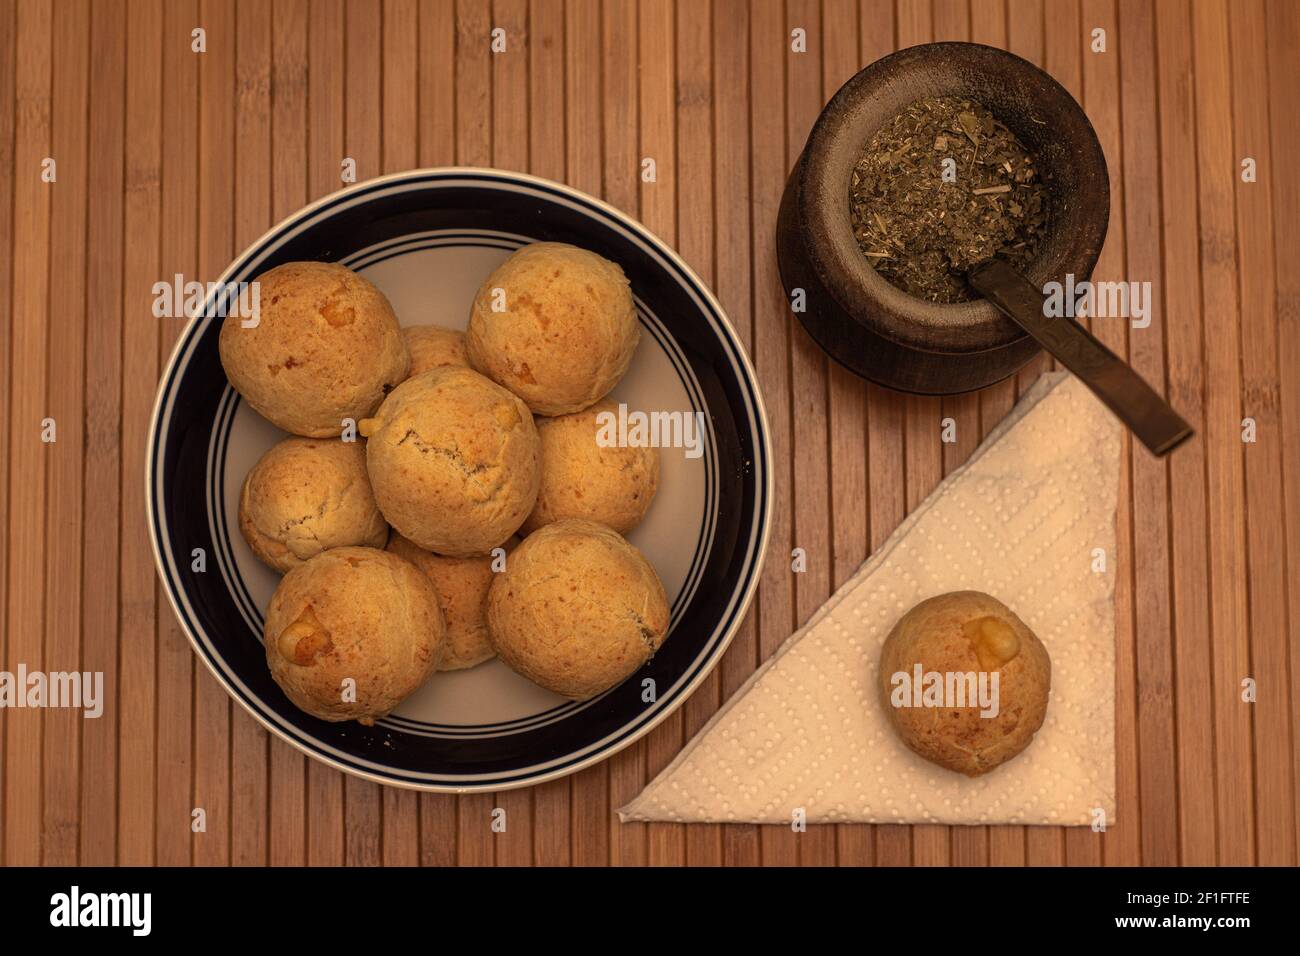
(1021, 521)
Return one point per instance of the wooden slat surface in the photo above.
(170, 161)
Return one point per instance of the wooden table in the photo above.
(170, 161)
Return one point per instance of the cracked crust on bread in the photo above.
(614, 486)
(326, 347)
(462, 586)
(432, 346)
(556, 325)
(305, 496)
(353, 632)
(578, 609)
(967, 632)
(454, 460)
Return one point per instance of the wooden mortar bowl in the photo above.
(878, 331)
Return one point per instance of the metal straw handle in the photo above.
(1122, 390)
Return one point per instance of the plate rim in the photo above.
(766, 487)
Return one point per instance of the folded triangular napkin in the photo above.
(1021, 520)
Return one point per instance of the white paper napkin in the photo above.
(1025, 520)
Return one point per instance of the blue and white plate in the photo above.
(428, 239)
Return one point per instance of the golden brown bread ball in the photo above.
(462, 586)
(305, 496)
(454, 461)
(577, 609)
(326, 348)
(567, 332)
(581, 479)
(352, 633)
(432, 346)
(965, 633)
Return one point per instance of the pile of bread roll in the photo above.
(420, 458)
